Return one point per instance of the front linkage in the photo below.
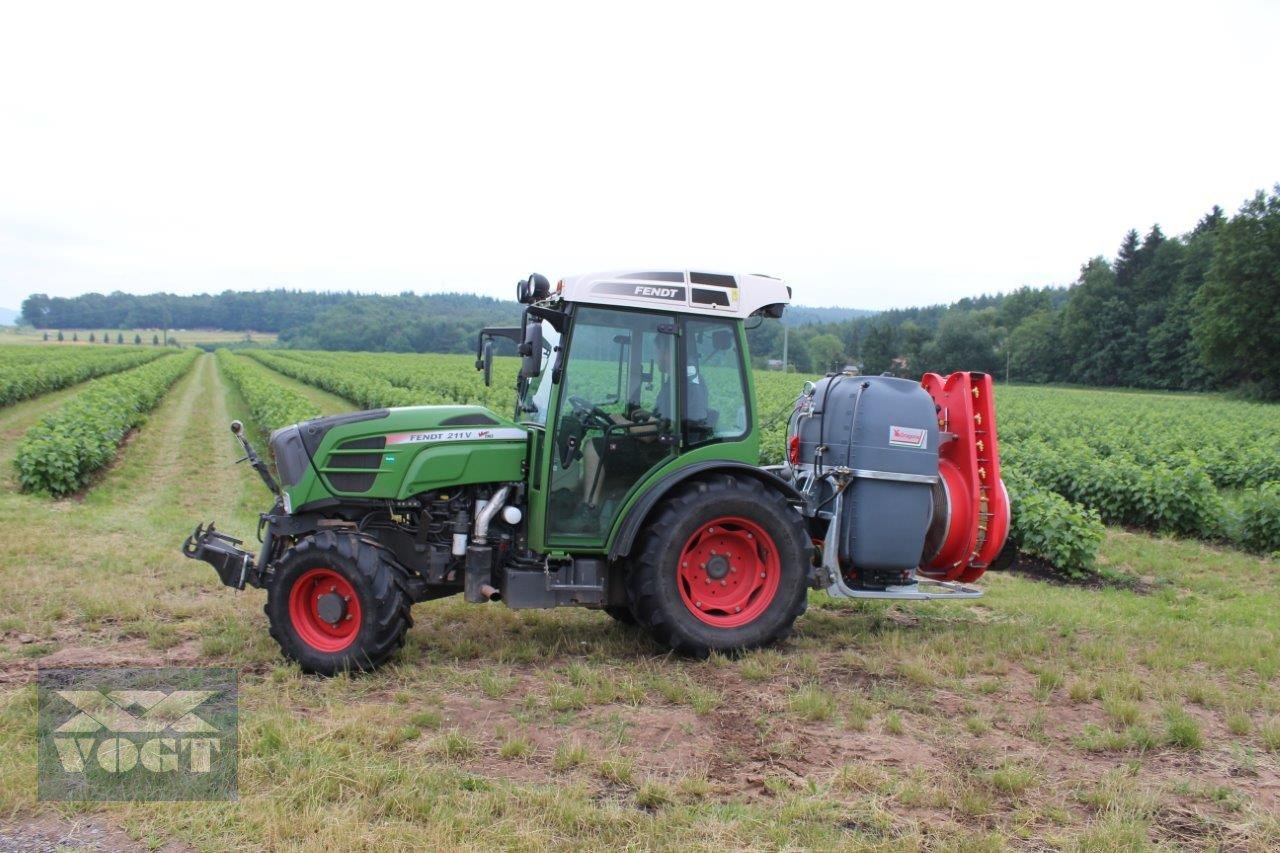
(236, 566)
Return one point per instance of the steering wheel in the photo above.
(590, 415)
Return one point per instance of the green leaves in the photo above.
(61, 452)
(271, 403)
(29, 371)
(375, 380)
(1258, 524)
(1050, 527)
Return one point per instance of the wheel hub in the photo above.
(331, 607)
(325, 610)
(717, 567)
(729, 572)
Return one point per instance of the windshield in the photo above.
(536, 398)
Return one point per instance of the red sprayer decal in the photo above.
(908, 437)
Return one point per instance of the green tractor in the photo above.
(626, 480)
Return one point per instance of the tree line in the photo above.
(1197, 311)
(443, 322)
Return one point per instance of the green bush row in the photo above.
(31, 371)
(1058, 531)
(369, 392)
(60, 453)
(271, 404)
(1256, 522)
(1181, 500)
(1237, 444)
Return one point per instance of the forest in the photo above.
(1194, 311)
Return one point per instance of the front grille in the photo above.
(351, 482)
(359, 461)
(338, 463)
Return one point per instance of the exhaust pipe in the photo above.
(477, 584)
(486, 514)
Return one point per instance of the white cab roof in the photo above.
(722, 294)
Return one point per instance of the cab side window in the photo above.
(715, 386)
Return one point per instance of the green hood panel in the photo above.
(393, 454)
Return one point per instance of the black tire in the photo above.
(621, 613)
(654, 583)
(382, 602)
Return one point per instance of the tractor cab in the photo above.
(624, 377)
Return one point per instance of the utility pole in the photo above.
(785, 367)
(1008, 356)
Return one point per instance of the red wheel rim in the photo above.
(729, 572)
(325, 610)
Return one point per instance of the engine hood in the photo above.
(392, 454)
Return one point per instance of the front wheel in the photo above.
(723, 567)
(337, 602)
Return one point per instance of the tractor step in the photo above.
(235, 566)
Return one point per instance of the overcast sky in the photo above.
(876, 156)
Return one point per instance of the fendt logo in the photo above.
(136, 734)
(657, 292)
(80, 739)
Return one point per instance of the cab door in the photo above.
(614, 422)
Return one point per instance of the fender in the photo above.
(630, 526)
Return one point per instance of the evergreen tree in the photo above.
(1096, 325)
(59, 336)
(1236, 320)
(155, 340)
(137, 338)
(1127, 260)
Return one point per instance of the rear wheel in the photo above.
(723, 567)
(338, 602)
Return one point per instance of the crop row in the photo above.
(271, 404)
(1237, 444)
(1165, 463)
(60, 453)
(396, 379)
(29, 371)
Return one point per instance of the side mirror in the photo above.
(487, 361)
(531, 351)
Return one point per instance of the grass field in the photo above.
(187, 337)
(1133, 714)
